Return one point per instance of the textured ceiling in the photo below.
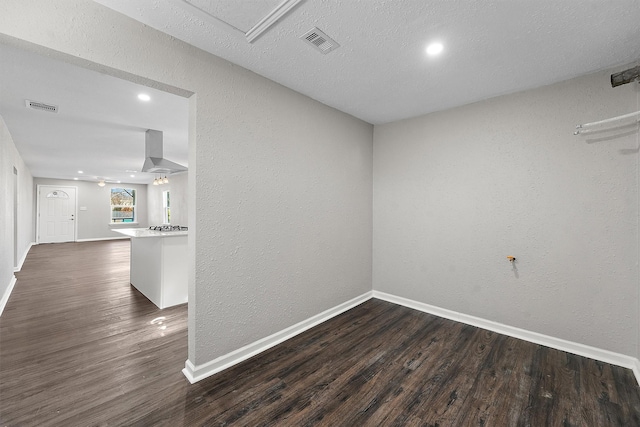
(242, 15)
(380, 73)
(100, 125)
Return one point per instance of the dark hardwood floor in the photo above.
(80, 347)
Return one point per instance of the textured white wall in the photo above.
(177, 186)
(93, 223)
(10, 158)
(457, 191)
(280, 186)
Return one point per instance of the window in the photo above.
(166, 215)
(57, 195)
(123, 205)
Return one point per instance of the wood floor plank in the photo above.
(80, 347)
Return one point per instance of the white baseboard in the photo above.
(606, 356)
(99, 239)
(636, 370)
(24, 257)
(7, 294)
(196, 373)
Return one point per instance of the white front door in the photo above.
(56, 214)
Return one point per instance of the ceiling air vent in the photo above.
(41, 106)
(320, 40)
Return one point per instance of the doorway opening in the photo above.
(115, 137)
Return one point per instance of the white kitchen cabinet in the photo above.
(159, 265)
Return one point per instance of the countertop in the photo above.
(145, 232)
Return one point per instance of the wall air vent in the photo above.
(320, 40)
(41, 106)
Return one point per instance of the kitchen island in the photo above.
(159, 264)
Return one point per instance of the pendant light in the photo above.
(160, 180)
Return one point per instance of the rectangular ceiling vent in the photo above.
(320, 40)
(41, 106)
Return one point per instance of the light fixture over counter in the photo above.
(161, 180)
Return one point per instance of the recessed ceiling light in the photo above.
(76, 178)
(434, 49)
(132, 176)
(144, 97)
(118, 182)
(80, 172)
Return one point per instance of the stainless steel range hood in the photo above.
(154, 161)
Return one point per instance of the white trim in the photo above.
(7, 294)
(24, 257)
(606, 356)
(196, 373)
(99, 239)
(253, 33)
(636, 370)
(272, 17)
